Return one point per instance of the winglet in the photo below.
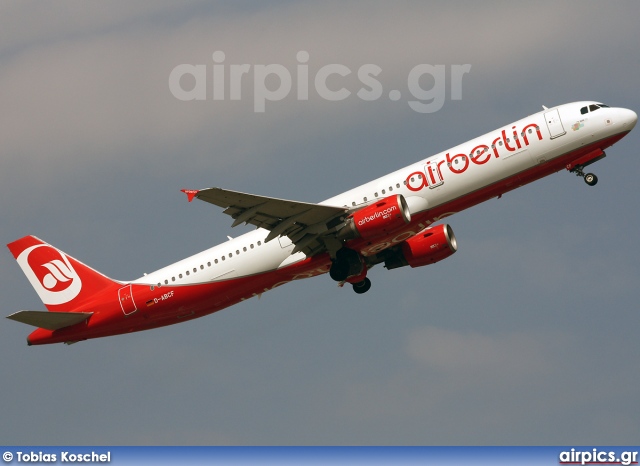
(191, 193)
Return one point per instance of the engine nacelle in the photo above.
(378, 219)
(427, 247)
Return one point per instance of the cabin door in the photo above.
(554, 124)
(125, 296)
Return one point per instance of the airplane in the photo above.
(393, 220)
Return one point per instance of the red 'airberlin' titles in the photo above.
(479, 155)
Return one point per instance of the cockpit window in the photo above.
(593, 108)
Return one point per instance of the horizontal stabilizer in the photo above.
(50, 320)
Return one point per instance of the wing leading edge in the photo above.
(309, 226)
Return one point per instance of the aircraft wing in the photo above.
(307, 225)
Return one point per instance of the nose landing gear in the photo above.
(589, 178)
(577, 166)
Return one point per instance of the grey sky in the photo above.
(528, 335)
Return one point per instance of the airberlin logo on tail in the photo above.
(50, 273)
(59, 275)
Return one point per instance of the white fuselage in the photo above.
(430, 183)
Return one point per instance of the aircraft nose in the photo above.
(629, 118)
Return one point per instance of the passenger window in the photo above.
(584, 110)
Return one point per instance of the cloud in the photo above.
(90, 88)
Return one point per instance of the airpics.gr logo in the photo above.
(50, 273)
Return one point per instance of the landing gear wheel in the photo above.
(590, 179)
(363, 286)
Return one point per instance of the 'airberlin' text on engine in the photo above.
(384, 213)
(479, 155)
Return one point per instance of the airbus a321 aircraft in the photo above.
(392, 221)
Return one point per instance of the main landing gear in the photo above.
(589, 178)
(349, 267)
(363, 286)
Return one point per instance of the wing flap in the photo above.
(50, 320)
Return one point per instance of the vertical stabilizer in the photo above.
(62, 282)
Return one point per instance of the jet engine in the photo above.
(427, 247)
(378, 219)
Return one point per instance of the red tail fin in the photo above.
(62, 282)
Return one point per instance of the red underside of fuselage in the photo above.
(193, 301)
